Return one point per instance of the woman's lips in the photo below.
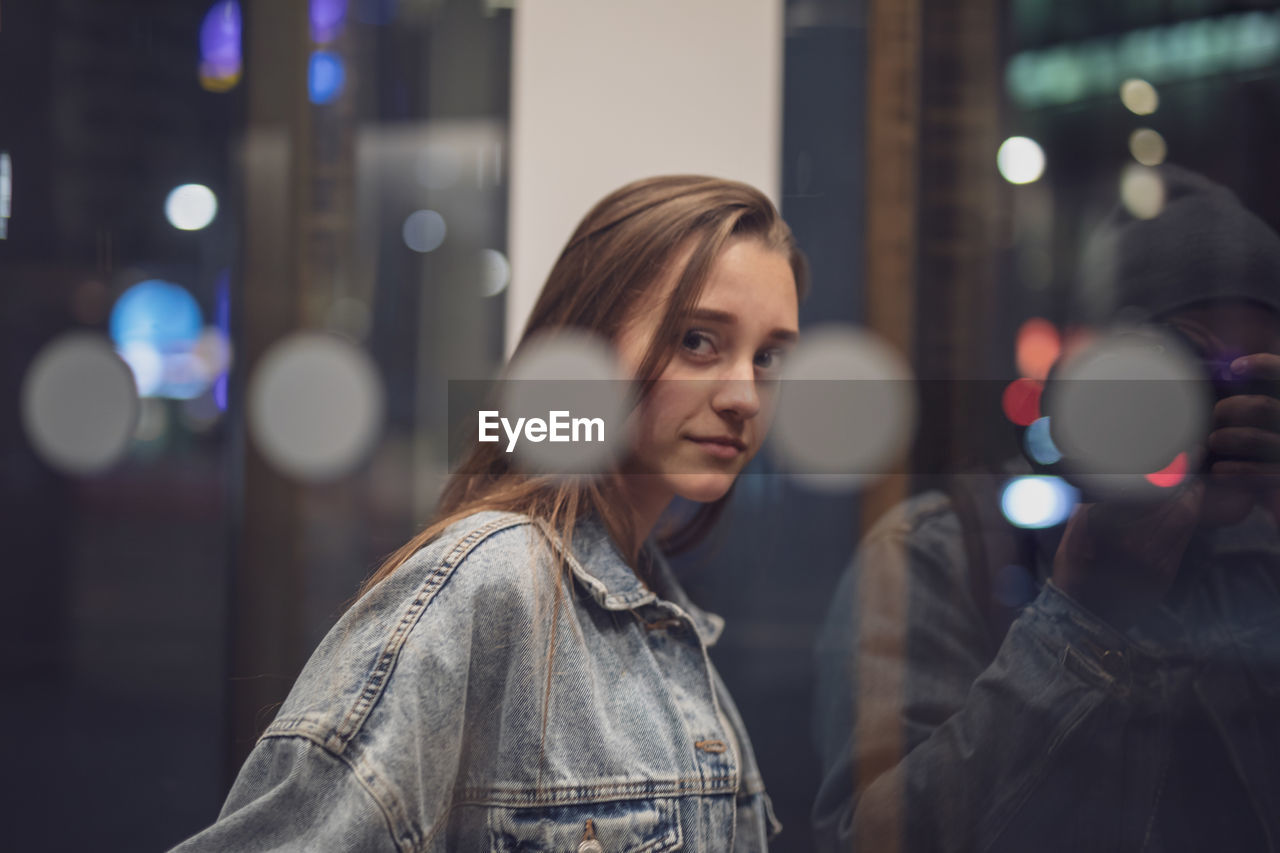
(720, 448)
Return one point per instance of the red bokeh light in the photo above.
(1021, 401)
(1038, 347)
(1170, 475)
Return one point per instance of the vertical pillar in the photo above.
(893, 133)
(265, 614)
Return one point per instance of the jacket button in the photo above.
(589, 843)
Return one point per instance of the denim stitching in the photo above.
(404, 832)
(583, 794)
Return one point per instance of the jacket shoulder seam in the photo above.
(337, 739)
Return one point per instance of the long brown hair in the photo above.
(619, 251)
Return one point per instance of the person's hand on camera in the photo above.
(1245, 445)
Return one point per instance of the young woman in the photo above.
(526, 674)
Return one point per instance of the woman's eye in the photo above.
(698, 343)
(769, 360)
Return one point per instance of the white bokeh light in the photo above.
(1141, 191)
(846, 411)
(315, 405)
(79, 404)
(1036, 501)
(1147, 146)
(576, 372)
(1139, 96)
(1123, 406)
(191, 207)
(423, 231)
(1020, 160)
(494, 272)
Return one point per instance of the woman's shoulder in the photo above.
(494, 541)
(486, 559)
(454, 598)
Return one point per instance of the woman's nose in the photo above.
(736, 392)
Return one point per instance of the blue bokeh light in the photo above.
(1039, 444)
(156, 312)
(325, 76)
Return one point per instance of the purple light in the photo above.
(222, 319)
(327, 19)
(220, 392)
(220, 41)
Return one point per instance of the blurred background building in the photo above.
(245, 245)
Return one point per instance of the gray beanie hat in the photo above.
(1203, 244)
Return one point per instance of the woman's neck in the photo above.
(647, 499)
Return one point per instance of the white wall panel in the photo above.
(606, 91)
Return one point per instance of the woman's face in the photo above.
(709, 412)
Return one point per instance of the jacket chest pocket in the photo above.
(625, 826)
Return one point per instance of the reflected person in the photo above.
(1133, 703)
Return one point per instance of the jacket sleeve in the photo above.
(292, 795)
(930, 738)
(366, 750)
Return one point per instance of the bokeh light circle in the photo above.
(1124, 407)
(326, 75)
(1020, 160)
(424, 231)
(315, 405)
(1020, 400)
(328, 18)
(156, 312)
(1141, 191)
(1037, 348)
(190, 207)
(846, 410)
(494, 272)
(1036, 502)
(1139, 96)
(78, 403)
(578, 373)
(1039, 445)
(1147, 146)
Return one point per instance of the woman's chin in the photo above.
(703, 488)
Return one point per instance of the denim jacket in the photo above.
(1064, 734)
(463, 705)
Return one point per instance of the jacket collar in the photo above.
(600, 567)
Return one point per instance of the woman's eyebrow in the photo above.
(711, 315)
